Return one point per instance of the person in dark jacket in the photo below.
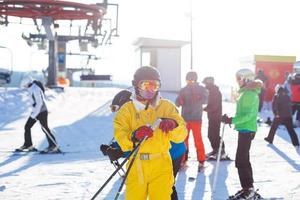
(261, 76)
(191, 98)
(214, 115)
(282, 109)
(295, 96)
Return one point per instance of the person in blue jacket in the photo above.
(177, 153)
(114, 152)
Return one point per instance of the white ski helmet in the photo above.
(246, 75)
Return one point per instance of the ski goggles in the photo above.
(149, 85)
(190, 82)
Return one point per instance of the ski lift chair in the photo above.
(93, 79)
(5, 77)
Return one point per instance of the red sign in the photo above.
(275, 71)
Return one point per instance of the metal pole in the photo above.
(11, 57)
(191, 32)
(11, 71)
(129, 168)
(52, 68)
(218, 163)
(116, 171)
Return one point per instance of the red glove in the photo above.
(142, 132)
(167, 125)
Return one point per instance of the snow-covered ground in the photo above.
(81, 121)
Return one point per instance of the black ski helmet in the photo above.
(145, 73)
(191, 76)
(208, 80)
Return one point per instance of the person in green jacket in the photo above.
(245, 122)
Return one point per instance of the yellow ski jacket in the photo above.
(130, 117)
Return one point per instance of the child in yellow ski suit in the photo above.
(151, 174)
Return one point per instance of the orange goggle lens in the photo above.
(190, 81)
(149, 85)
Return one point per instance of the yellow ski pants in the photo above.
(151, 176)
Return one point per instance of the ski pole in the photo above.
(128, 170)
(156, 123)
(117, 164)
(218, 163)
(114, 173)
(111, 141)
(153, 126)
(48, 134)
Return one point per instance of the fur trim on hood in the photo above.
(142, 105)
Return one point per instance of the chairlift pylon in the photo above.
(6, 73)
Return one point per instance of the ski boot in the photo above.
(268, 140)
(269, 121)
(211, 153)
(201, 166)
(51, 150)
(244, 194)
(214, 157)
(26, 148)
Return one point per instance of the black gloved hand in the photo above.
(114, 153)
(104, 148)
(226, 120)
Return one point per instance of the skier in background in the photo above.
(246, 125)
(262, 76)
(39, 113)
(214, 115)
(295, 96)
(287, 82)
(119, 99)
(282, 109)
(191, 98)
(151, 174)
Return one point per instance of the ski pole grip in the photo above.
(155, 124)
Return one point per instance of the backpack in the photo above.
(39, 84)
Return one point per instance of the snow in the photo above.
(81, 121)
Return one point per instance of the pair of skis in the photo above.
(35, 151)
(238, 196)
(213, 158)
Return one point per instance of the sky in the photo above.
(224, 32)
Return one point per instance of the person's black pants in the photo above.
(242, 160)
(288, 123)
(214, 134)
(43, 119)
(176, 166)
